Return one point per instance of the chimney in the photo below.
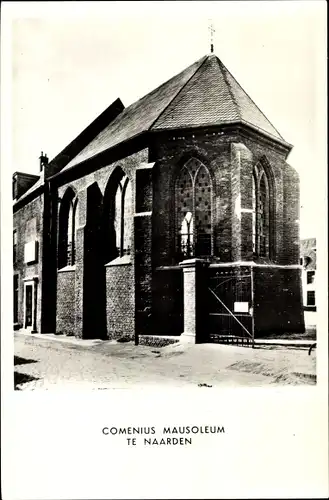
(43, 161)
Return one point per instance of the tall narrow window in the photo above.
(184, 213)
(123, 217)
(263, 217)
(261, 214)
(67, 229)
(311, 298)
(70, 238)
(254, 214)
(127, 218)
(310, 275)
(118, 218)
(72, 231)
(202, 193)
(15, 247)
(186, 234)
(193, 198)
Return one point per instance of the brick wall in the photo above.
(27, 222)
(66, 303)
(167, 304)
(236, 200)
(276, 158)
(278, 301)
(291, 205)
(120, 295)
(143, 246)
(143, 273)
(114, 285)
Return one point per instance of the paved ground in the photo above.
(47, 363)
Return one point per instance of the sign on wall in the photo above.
(30, 252)
(241, 307)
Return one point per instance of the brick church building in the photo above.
(177, 215)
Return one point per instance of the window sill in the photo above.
(66, 269)
(310, 308)
(125, 260)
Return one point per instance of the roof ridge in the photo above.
(179, 91)
(228, 71)
(220, 64)
(128, 108)
(153, 91)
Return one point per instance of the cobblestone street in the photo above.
(48, 363)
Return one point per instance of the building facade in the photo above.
(308, 261)
(177, 215)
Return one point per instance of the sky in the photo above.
(69, 61)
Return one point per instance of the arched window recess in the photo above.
(67, 229)
(262, 213)
(118, 216)
(193, 211)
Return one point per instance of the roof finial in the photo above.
(211, 31)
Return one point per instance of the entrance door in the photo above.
(28, 306)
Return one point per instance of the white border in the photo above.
(52, 447)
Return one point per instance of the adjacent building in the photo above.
(177, 215)
(308, 261)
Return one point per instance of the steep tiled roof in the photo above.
(138, 117)
(213, 96)
(203, 94)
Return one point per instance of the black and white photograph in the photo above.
(167, 163)
(168, 234)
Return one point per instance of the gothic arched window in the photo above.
(262, 216)
(127, 220)
(123, 217)
(193, 201)
(254, 214)
(118, 216)
(67, 229)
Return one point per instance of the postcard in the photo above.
(164, 251)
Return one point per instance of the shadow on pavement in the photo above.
(23, 361)
(22, 378)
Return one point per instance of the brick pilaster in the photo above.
(241, 178)
(195, 300)
(143, 248)
(79, 262)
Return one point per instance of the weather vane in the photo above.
(211, 31)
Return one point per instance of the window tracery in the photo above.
(262, 218)
(194, 210)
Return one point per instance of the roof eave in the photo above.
(99, 155)
(281, 141)
(27, 198)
